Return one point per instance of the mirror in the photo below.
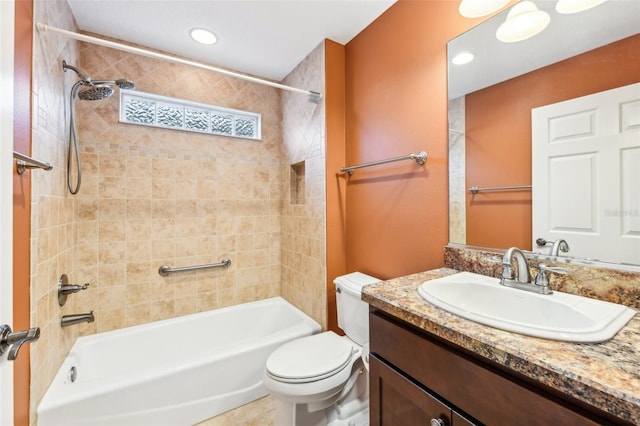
(490, 102)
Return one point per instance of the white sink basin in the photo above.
(557, 316)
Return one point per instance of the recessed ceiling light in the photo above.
(462, 58)
(203, 36)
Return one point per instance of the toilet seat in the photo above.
(310, 358)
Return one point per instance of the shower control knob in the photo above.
(65, 289)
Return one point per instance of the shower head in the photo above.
(95, 92)
(121, 83)
(125, 84)
(96, 89)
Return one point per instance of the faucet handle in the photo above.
(65, 289)
(542, 279)
(555, 269)
(16, 339)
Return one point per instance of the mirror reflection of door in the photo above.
(586, 174)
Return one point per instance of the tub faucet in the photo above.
(68, 320)
(558, 246)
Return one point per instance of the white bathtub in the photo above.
(173, 372)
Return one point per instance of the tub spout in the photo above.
(68, 320)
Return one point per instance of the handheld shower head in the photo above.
(88, 90)
(122, 83)
(125, 84)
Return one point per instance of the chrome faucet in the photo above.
(558, 246)
(65, 289)
(68, 320)
(508, 274)
(523, 280)
(16, 340)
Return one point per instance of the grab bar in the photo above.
(165, 270)
(25, 162)
(475, 189)
(419, 157)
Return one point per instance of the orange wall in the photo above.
(501, 114)
(334, 58)
(22, 203)
(396, 103)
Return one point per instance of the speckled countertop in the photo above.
(604, 375)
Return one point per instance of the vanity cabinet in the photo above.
(419, 379)
(400, 401)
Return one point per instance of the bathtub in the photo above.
(173, 372)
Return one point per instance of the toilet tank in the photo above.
(353, 313)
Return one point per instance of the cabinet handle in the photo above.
(437, 422)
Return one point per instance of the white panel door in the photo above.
(586, 174)
(6, 199)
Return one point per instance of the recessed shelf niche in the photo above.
(296, 184)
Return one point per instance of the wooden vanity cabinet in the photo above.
(415, 377)
(400, 401)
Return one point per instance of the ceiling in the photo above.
(264, 38)
(566, 36)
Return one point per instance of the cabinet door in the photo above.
(395, 400)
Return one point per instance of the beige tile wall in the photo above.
(304, 225)
(153, 196)
(53, 224)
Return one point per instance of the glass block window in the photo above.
(147, 109)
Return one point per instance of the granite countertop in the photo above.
(604, 375)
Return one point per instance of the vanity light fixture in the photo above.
(575, 6)
(203, 36)
(477, 8)
(524, 20)
(462, 58)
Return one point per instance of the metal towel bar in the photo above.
(419, 157)
(25, 162)
(165, 270)
(475, 189)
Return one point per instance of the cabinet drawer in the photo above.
(396, 400)
(485, 394)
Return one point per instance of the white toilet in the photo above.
(321, 380)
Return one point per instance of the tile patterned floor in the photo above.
(257, 413)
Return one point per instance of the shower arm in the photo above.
(84, 77)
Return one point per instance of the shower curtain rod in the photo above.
(314, 97)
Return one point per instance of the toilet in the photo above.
(321, 380)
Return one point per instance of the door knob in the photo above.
(16, 340)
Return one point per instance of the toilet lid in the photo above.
(310, 358)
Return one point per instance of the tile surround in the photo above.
(155, 196)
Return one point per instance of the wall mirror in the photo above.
(534, 72)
